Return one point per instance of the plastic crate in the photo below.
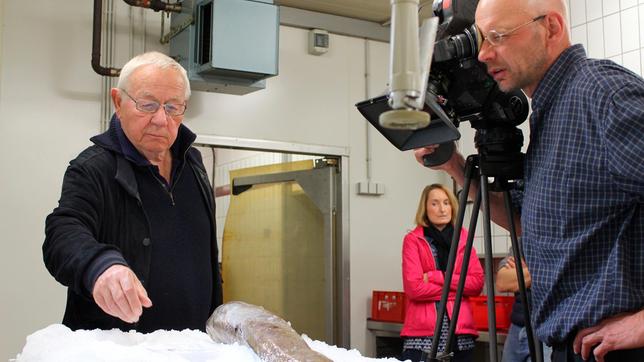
(388, 306)
(502, 308)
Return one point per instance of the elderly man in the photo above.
(134, 227)
(581, 211)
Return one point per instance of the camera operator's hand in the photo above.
(622, 331)
(454, 165)
(419, 153)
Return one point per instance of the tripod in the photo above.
(475, 167)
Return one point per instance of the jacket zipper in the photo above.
(183, 165)
(163, 186)
(169, 191)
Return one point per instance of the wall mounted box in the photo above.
(227, 46)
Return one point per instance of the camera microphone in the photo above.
(409, 67)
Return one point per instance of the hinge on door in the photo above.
(326, 162)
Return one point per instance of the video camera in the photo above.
(459, 89)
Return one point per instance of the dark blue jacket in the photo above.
(100, 218)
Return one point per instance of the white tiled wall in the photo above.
(500, 237)
(611, 29)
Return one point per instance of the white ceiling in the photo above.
(378, 11)
(372, 10)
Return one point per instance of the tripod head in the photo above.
(499, 141)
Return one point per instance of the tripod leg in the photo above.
(536, 349)
(489, 272)
(442, 306)
(464, 267)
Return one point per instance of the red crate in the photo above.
(502, 308)
(388, 306)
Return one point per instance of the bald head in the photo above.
(550, 5)
(531, 8)
(534, 33)
(544, 6)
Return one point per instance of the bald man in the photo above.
(581, 211)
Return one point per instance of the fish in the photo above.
(269, 336)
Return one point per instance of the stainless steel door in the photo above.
(279, 245)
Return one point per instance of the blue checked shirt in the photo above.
(581, 209)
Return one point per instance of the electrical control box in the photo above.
(227, 46)
(318, 41)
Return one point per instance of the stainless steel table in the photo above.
(392, 330)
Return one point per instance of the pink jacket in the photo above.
(422, 298)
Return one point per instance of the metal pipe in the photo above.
(366, 93)
(107, 50)
(96, 43)
(156, 5)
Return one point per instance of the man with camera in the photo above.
(581, 214)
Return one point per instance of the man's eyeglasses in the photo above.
(147, 106)
(496, 38)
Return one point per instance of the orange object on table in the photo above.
(502, 308)
(388, 306)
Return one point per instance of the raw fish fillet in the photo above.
(271, 337)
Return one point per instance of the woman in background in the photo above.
(424, 261)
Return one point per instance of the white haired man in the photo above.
(133, 236)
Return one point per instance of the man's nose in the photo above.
(159, 117)
(485, 52)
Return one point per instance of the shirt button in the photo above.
(146, 242)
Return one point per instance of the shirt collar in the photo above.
(556, 75)
(127, 148)
(184, 140)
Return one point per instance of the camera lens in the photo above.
(460, 46)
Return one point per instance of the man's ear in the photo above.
(556, 26)
(116, 99)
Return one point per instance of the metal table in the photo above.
(392, 329)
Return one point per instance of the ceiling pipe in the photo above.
(156, 5)
(96, 43)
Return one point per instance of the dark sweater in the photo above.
(180, 280)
